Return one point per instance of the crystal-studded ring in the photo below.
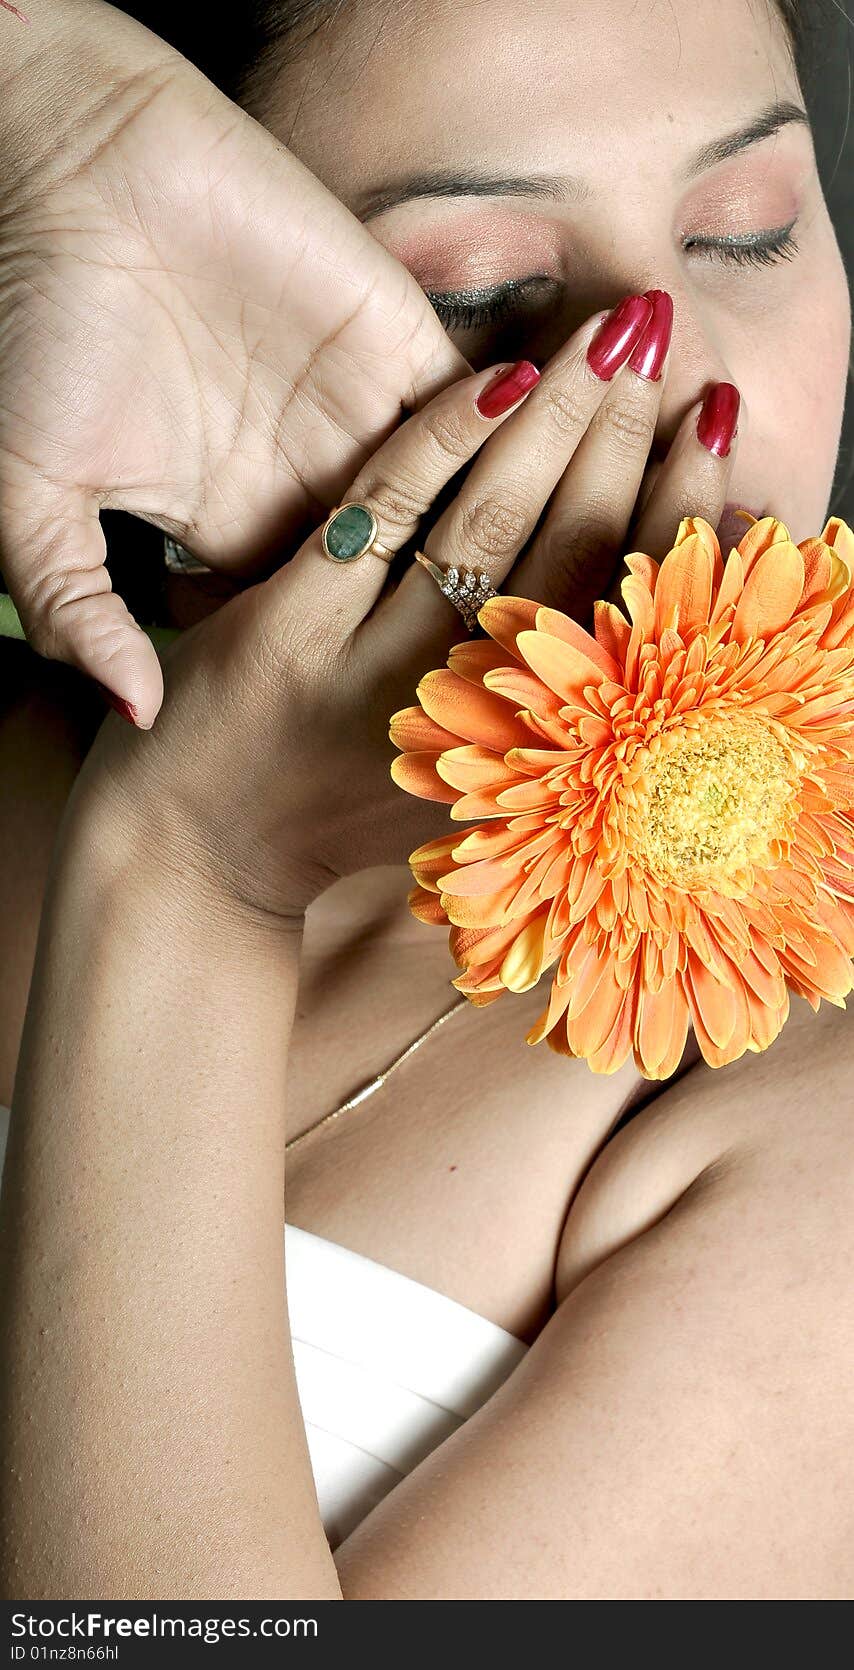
(350, 530)
(180, 561)
(467, 588)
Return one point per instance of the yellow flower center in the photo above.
(713, 803)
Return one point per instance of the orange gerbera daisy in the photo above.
(669, 804)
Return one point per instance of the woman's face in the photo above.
(667, 144)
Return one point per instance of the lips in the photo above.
(730, 528)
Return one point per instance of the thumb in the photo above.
(52, 561)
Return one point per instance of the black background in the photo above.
(827, 72)
(829, 94)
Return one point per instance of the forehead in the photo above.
(388, 84)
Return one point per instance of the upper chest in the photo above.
(459, 1171)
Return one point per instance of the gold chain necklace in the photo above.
(376, 1084)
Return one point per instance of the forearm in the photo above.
(154, 1441)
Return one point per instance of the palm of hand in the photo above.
(196, 331)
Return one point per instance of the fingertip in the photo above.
(133, 684)
(717, 424)
(507, 386)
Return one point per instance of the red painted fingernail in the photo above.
(126, 709)
(617, 336)
(718, 419)
(506, 388)
(651, 351)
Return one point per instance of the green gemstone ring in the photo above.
(349, 531)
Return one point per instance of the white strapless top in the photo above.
(386, 1369)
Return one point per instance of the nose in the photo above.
(697, 361)
(698, 357)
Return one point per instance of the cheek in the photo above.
(796, 414)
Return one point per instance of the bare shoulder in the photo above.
(778, 1125)
(682, 1427)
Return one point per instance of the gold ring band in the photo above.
(467, 588)
(350, 531)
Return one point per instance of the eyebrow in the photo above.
(558, 188)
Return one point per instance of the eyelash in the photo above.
(470, 309)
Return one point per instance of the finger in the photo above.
(574, 554)
(694, 477)
(53, 565)
(503, 495)
(399, 484)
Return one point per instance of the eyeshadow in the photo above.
(750, 193)
(460, 245)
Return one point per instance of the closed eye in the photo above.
(461, 310)
(470, 309)
(758, 249)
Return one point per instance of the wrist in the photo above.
(137, 857)
(67, 81)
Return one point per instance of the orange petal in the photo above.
(555, 1008)
(839, 586)
(480, 980)
(644, 568)
(612, 629)
(585, 966)
(589, 1030)
(474, 714)
(483, 910)
(711, 1002)
(531, 796)
(841, 630)
(417, 774)
(488, 875)
(522, 687)
(769, 988)
(475, 657)
(505, 617)
(479, 1000)
(613, 1053)
(558, 625)
(654, 1025)
(638, 600)
(730, 588)
(470, 947)
(830, 976)
(524, 961)
(771, 593)
(760, 537)
(487, 803)
(766, 1024)
(681, 1020)
(535, 762)
(683, 590)
(412, 730)
(490, 840)
(430, 861)
(427, 907)
(816, 557)
(714, 1054)
(565, 669)
(839, 535)
(704, 531)
(470, 769)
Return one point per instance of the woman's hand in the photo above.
(269, 768)
(192, 328)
